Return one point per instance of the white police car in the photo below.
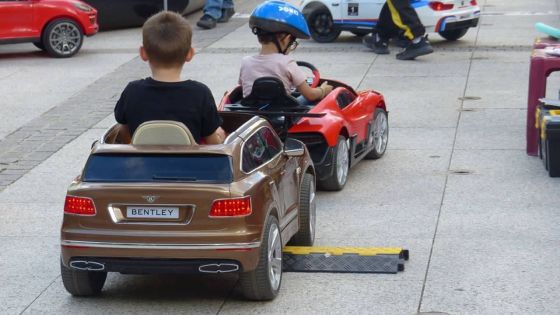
(327, 18)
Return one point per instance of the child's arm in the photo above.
(314, 94)
(217, 137)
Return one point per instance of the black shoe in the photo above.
(206, 22)
(421, 48)
(226, 15)
(401, 42)
(380, 47)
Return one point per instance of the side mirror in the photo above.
(293, 147)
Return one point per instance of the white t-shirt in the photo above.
(272, 65)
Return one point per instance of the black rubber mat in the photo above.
(344, 260)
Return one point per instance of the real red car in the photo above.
(56, 26)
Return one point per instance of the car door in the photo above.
(361, 12)
(357, 112)
(288, 184)
(256, 157)
(16, 19)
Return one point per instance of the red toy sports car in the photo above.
(57, 26)
(346, 126)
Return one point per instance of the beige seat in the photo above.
(163, 132)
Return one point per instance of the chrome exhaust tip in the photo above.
(218, 268)
(87, 265)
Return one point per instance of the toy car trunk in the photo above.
(548, 123)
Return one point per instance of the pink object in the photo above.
(281, 66)
(543, 42)
(542, 65)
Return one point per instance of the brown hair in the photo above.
(166, 37)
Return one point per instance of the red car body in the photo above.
(348, 116)
(27, 20)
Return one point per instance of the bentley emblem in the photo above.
(150, 199)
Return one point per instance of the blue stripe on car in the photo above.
(419, 3)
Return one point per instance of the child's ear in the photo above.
(143, 53)
(190, 55)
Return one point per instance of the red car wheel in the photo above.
(62, 38)
(340, 166)
(378, 135)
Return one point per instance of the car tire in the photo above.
(39, 45)
(307, 214)
(340, 167)
(263, 283)
(453, 35)
(360, 33)
(321, 26)
(82, 282)
(378, 135)
(62, 38)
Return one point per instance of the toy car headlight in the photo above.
(82, 6)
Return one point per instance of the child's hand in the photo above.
(326, 88)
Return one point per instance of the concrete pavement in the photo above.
(479, 216)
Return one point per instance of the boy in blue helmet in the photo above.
(278, 25)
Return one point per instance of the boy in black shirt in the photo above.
(166, 39)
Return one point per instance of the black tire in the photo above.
(375, 136)
(39, 45)
(62, 38)
(454, 34)
(321, 26)
(258, 284)
(360, 33)
(339, 175)
(82, 283)
(306, 233)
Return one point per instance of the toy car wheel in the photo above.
(378, 135)
(360, 33)
(263, 283)
(339, 174)
(321, 26)
(306, 234)
(62, 38)
(454, 34)
(39, 45)
(82, 282)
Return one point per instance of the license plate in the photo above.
(152, 212)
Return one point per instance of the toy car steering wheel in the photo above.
(316, 75)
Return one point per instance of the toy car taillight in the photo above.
(440, 6)
(79, 205)
(473, 2)
(234, 207)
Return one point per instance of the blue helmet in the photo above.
(279, 17)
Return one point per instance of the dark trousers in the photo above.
(398, 16)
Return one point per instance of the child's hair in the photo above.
(267, 38)
(166, 37)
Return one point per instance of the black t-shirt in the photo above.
(189, 102)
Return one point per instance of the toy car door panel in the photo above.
(258, 155)
(16, 18)
(362, 12)
(287, 166)
(358, 114)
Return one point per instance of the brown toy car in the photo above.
(166, 205)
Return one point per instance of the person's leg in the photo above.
(379, 40)
(212, 12)
(227, 11)
(213, 8)
(404, 17)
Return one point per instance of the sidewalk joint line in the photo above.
(448, 170)
(38, 296)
